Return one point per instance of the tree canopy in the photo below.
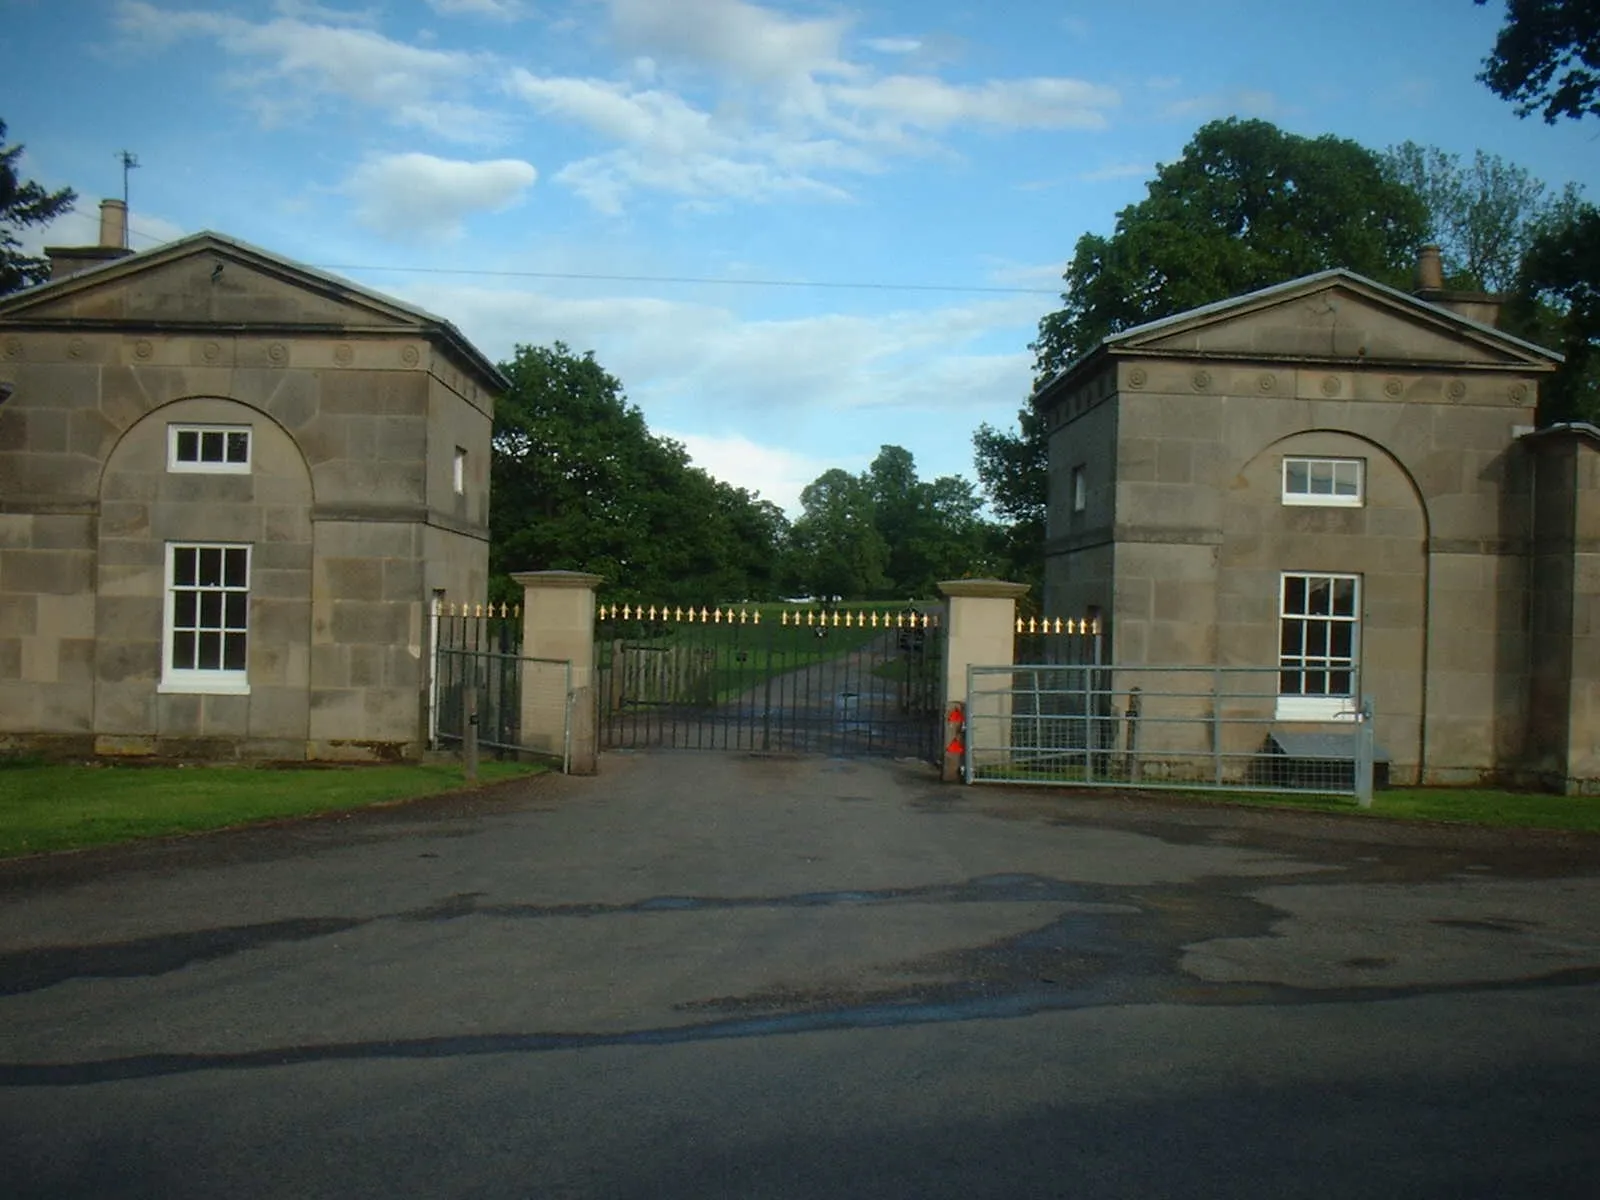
(887, 532)
(1483, 215)
(580, 483)
(1546, 58)
(1246, 206)
(23, 204)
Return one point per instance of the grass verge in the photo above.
(1460, 806)
(49, 807)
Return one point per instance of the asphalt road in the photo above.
(722, 976)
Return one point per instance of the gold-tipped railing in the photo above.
(811, 617)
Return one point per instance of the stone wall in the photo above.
(350, 509)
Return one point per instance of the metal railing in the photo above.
(483, 692)
(1224, 728)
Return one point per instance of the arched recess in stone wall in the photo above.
(145, 506)
(1384, 541)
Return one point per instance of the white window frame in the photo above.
(201, 433)
(1332, 470)
(188, 677)
(1303, 653)
(1080, 489)
(459, 472)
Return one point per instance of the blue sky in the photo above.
(707, 156)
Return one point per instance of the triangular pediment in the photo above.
(209, 279)
(1333, 317)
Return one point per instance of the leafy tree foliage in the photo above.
(1013, 472)
(837, 550)
(1246, 206)
(23, 203)
(886, 532)
(1547, 58)
(1557, 304)
(580, 483)
(1483, 216)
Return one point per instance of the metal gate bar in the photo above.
(769, 678)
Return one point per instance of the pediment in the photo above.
(1334, 317)
(210, 280)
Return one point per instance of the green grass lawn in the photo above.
(66, 807)
(1466, 806)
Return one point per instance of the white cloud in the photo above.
(668, 145)
(292, 62)
(776, 473)
(819, 387)
(1123, 170)
(499, 10)
(930, 103)
(1242, 102)
(414, 194)
(894, 45)
(742, 40)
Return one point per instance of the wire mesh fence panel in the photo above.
(770, 678)
(1160, 726)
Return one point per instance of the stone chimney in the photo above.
(113, 224)
(69, 260)
(1482, 307)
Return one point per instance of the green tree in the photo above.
(837, 548)
(1013, 473)
(1546, 58)
(932, 529)
(1483, 216)
(1557, 304)
(580, 483)
(1246, 206)
(23, 204)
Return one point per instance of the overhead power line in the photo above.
(713, 280)
(704, 279)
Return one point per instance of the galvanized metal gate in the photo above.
(771, 678)
(516, 704)
(1088, 723)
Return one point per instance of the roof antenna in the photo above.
(130, 162)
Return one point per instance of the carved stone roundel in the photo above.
(409, 356)
(13, 347)
(1331, 385)
(343, 355)
(278, 353)
(1519, 393)
(1456, 390)
(76, 347)
(1137, 377)
(143, 349)
(1267, 382)
(211, 352)
(1393, 387)
(1202, 380)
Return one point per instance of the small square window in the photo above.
(1332, 482)
(459, 476)
(216, 449)
(1080, 490)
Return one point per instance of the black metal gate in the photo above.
(771, 678)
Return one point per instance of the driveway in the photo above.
(712, 975)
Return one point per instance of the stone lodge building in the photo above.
(1341, 481)
(230, 486)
